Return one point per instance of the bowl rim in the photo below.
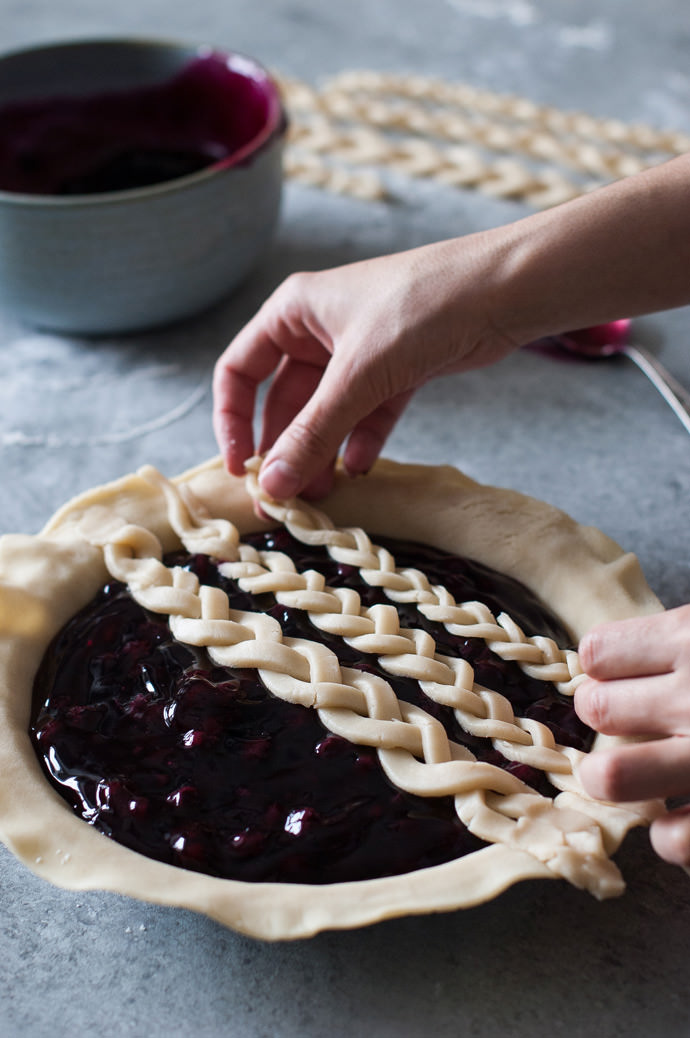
(274, 127)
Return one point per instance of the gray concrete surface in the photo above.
(543, 960)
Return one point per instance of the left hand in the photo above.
(639, 686)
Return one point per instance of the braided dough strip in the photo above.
(406, 653)
(359, 118)
(635, 136)
(413, 748)
(538, 656)
(449, 123)
(314, 146)
(412, 653)
(315, 171)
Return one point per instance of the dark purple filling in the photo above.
(202, 767)
(131, 138)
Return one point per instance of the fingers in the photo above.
(292, 386)
(643, 771)
(284, 327)
(670, 836)
(639, 684)
(640, 646)
(639, 771)
(280, 474)
(306, 447)
(657, 706)
(232, 425)
(639, 676)
(321, 484)
(368, 437)
(302, 458)
(247, 361)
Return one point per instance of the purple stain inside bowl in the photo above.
(217, 109)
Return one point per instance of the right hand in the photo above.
(347, 348)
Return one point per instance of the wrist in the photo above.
(618, 252)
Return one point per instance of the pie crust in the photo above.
(122, 529)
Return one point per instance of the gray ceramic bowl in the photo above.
(84, 251)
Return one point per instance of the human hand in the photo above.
(639, 685)
(347, 348)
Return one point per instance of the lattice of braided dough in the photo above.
(571, 835)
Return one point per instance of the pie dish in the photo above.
(126, 531)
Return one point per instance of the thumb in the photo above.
(307, 446)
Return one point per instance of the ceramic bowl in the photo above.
(92, 239)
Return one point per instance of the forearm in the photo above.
(618, 252)
(347, 347)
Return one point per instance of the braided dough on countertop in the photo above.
(348, 132)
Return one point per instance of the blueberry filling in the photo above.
(203, 768)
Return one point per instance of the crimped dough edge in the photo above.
(578, 571)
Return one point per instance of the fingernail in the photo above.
(279, 479)
(353, 473)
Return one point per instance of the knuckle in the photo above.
(290, 291)
(309, 440)
(297, 281)
(285, 309)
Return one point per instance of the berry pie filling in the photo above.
(202, 767)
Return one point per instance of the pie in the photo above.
(292, 724)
